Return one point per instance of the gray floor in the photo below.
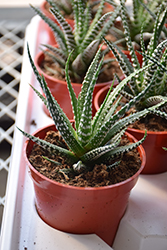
(13, 23)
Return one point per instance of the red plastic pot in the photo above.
(139, 56)
(81, 210)
(59, 89)
(100, 96)
(156, 156)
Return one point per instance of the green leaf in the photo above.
(68, 34)
(57, 31)
(87, 81)
(53, 149)
(134, 59)
(96, 153)
(85, 125)
(73, 97)
(99, 138)
(118, 151)
(60, 119)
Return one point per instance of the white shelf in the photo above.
(143, 227)
(19, 3)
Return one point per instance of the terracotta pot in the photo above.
(139, 56)
(81, 210)
(60, 91)
(156, 157)
(100, 96)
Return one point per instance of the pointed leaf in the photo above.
(118, 151)
(61, 121)
(57, 31)
(53, 149)
(68, 34)
(85, 125)
(98, 138)
(73, 97)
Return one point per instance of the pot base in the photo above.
(103, 233)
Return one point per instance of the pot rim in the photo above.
(128, 129)
(148, 132)
(140, 150)
(44, 10)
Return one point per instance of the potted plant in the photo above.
(142, 12)
(65, 6)
(84, 40)
(153, 80)
(66, 9)
(91, 147)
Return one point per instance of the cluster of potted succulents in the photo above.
(65, 7)
(91, 147)
(142, 13)
(84, 168)
(84, 39)
(154, 80)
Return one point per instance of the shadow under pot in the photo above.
(81, 210)
(156, 156)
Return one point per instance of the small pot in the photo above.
(139, 56)
(60, 91)
(156, 157)
(81, 210)
(100, 96)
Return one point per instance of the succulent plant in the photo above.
(65, 6)
(142, 15)
(153, 79)
(94, 140)
(83, 40)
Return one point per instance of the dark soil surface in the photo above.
(98, 177)
(151, 123)
(106, 75)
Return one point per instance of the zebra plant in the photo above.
(65, 6)
(84, 39)
(153, 79)
(94, 140)
(142, 12)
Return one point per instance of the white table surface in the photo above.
(143, 227)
